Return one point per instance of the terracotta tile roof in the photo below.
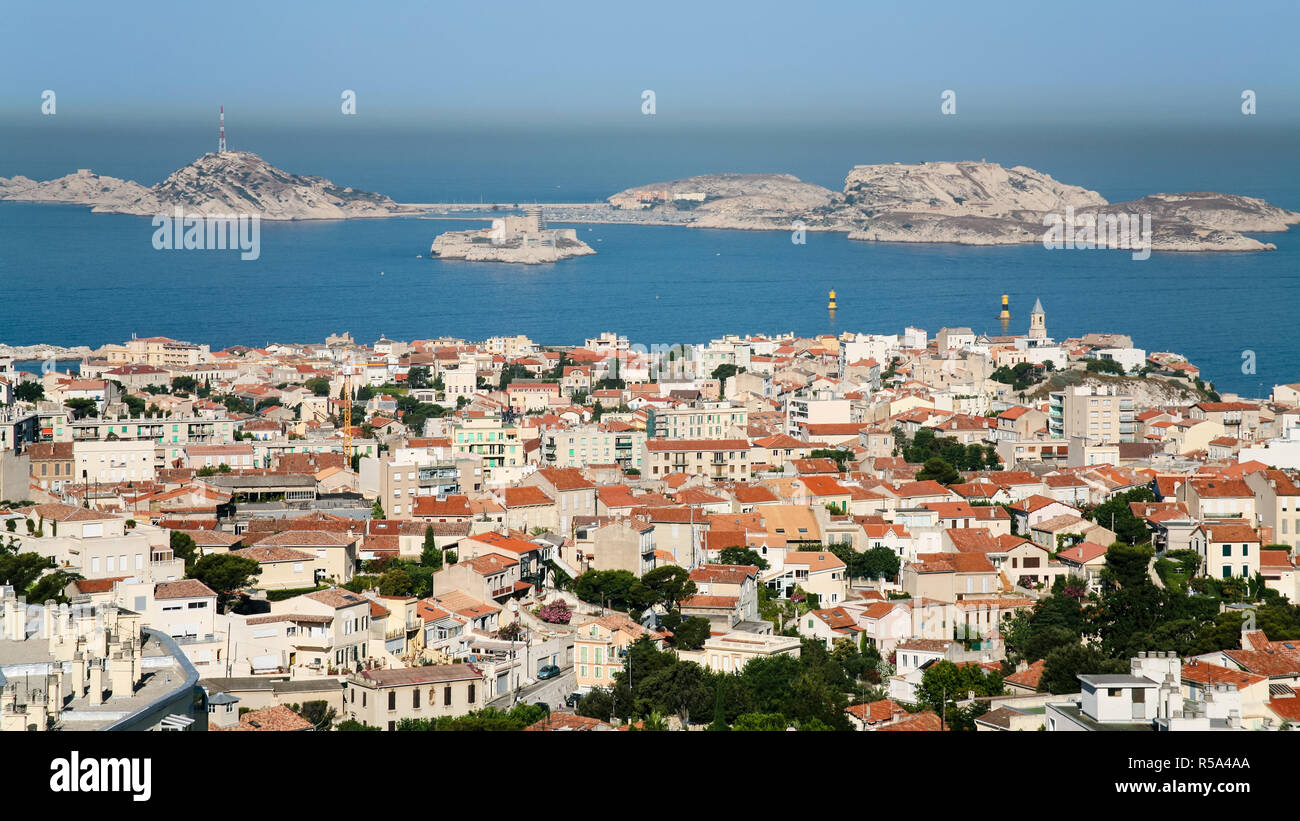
(973, 540)
(920, 722)
(69, 513)
(526, 496)
(296, 618)
(723, 573)
(1231, 533)
(183, 589)
(88, 586)
(880, 609)
(452, 506)
(432, 674)
(926, 645)
(1286, 709)
(704, 601)
(1063, 521)
(753, 494)
(490, 564)
(511, 543)
(1203, 672)
(1279, 559)
(265, 554)
(1030, 676)
(1221, 488)
(271, 719)
(566, 478)
(951, 563)
(927, 487)
(1083, 553)
(816, 560)
(877, 711)
(559, 722)
(1265, 663)
(336, 598)
(1035, 502)
(836, 618)
(306, 538)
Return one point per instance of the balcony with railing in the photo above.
(206, 638)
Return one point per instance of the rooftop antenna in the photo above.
(221, 139)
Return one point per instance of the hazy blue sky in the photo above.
(586, 63)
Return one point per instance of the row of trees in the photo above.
(810, 692)
(666, 587)
(1076, 632)
(489, 719)
(943, 456)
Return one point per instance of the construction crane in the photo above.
(347, 414)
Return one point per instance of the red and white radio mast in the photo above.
(221, 140)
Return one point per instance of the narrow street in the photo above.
(551, 692)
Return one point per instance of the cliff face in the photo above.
(959, 188)
(747, 201)
(235, 182)
(83, 188)
(970, 203)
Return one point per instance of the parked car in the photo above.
(572, 699)
(549, 671)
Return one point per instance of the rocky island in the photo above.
(227, 182)
(522, 239)
(972, 203)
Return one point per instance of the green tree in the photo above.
(689, 633)
(510, 373)
(760, 722)
(944, 683)
(352, 725)
(598, 703)
(1117, 512)
(318, 385)
(396, 582)
(1064, 664)
(183, 547)
(185, 384)
(725, 371)
(880, 563)
(29, 392)
(22, 569)
(1105, 366)
(669, 585)
(939, 470)
(82, 408)
(319, 713)
(51, 586)
(224, 573)
(742, 556)
(431, 555)
(377, 511)
(418, 377)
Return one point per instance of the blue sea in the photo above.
(72, 277)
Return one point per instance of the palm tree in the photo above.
(654, 722)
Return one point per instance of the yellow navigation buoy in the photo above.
(1006, 309)
(831, 305)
